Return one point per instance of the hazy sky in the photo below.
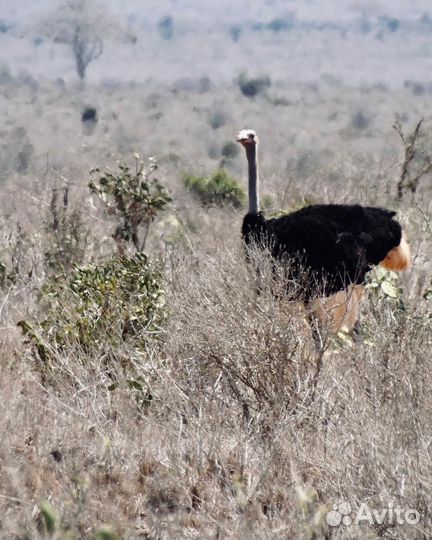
(202, 46)
(222, 10)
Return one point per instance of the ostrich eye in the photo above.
(251, 135)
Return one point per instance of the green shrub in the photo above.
(218, 190)
(267, 202)
(50, 519)
(99, 306)
(384, 284)
(135, 196)
(105, 533)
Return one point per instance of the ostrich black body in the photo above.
(334, 245)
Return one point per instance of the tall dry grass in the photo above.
(244, 432)
(242, 437)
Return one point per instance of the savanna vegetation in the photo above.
(147, 390)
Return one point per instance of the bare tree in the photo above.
(82, 25)
(85, 49)
(409, 180)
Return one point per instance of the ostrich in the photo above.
(331, 247)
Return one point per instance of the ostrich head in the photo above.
(247, 138)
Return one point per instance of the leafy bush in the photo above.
(218, 190)
(136, 197)
(49, 518)
(253, 87)
(267, 202)
(99, 306)
(384, 283)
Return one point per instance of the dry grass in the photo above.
(242, 437)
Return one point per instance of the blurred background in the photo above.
(176, 79)
(359, 42)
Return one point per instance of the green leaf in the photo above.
(220, 189)
(134, 384)
(105, 533)
(389, 289)
(119, 300)
(50, 517)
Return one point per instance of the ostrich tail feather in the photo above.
(399, 258)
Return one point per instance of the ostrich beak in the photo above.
(243, 137)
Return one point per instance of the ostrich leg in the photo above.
(315, 326)
(356, 332)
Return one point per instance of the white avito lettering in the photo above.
(379, 515)
(364, 514)
(399, 516)
(390, 513)
(412, 517)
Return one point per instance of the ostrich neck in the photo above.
(252, 157)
